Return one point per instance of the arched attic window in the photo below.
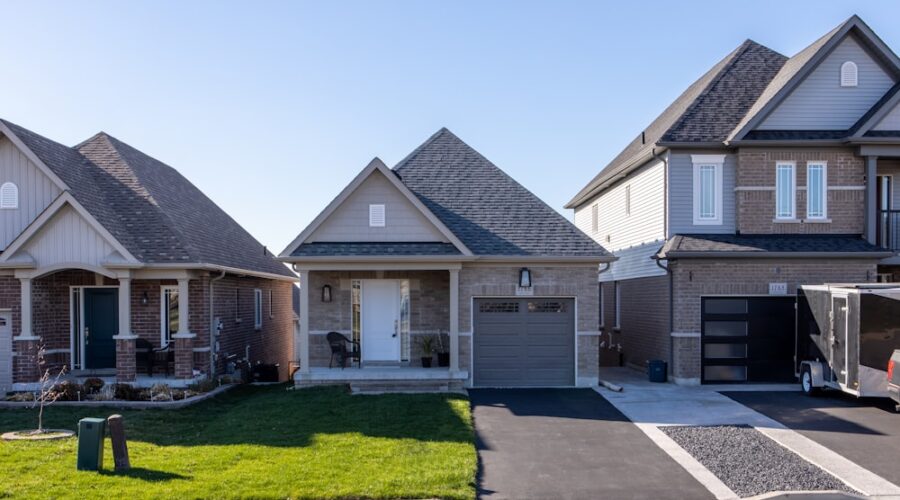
(849, 74)
(9, 195)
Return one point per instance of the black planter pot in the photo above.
(426, 362)
(443, 359)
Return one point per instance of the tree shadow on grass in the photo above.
(278, 417)
(145, 474)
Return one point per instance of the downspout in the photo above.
(671, 308)
(213, 327)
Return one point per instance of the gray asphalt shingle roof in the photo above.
(719, 244)
(349, 249)
(485, 208)
(151, 209)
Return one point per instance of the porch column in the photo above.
(454, 320)
(184, 339)
(126, 364)
(25, 365)
(871, 202)
(302, 342)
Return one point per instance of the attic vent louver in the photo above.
(9, 195)
(376, 215)
(849, 74)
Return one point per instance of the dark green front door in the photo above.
(101, 320)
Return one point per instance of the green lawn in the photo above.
(260, 442)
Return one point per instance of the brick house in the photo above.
(767, 173)
(108, 253)
(445, 246)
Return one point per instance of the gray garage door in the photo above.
(524, 342)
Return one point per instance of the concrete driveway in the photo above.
(568, 443)
(866, 431)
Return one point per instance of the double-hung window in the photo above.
(257, 308)
(708, 188)
(785, 190)
(169, 313)
(816, 190)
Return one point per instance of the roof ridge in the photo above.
(422, 146)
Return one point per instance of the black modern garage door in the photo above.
(747, 339)
(524, 342)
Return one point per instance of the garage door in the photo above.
(524, 342)
(747, 339)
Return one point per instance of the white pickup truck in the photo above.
(893, 377)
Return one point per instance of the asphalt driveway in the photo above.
(568, 443)
(865, 431)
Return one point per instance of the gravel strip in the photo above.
(749, 462)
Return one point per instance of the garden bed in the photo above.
(94, 392)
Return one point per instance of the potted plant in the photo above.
(427, 344)
(443, 354)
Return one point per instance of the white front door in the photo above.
(5, 352)
(380, 320)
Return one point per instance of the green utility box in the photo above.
(91, 432)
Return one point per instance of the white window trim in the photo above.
(717, 161)
(824, 165)
(164, 312)
(257, 308)
(595, 218)
(9, 186)
(628, 200)
(271, 309)
(618, 306)
(793, 166)
(602, 309)
(373, 219)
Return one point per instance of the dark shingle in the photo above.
(353, 249)
(487, 210)
(719, 244)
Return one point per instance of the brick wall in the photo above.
(10, 294)
(756, 208)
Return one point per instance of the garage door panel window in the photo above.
(498, 307)
(725, 306)
(725, 373)
(726, 328)
(548, 307)
(725, 351)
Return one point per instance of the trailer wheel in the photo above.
(806, 382)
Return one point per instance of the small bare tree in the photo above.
(46, 394)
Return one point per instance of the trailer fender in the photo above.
(817, 371)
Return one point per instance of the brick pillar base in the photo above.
(686, 358)
(25, 365)
(184, 355)
(126, 365)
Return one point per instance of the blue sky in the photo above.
(272, 107)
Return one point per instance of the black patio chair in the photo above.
(143, 355)
(338, 343)
(164, 356)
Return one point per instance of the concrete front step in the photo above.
(407, 386)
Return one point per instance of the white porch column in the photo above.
(184, 304)
(26, 332)
(302, 343)
(454, 320)
(124, 307)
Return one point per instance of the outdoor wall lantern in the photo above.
(145, 299)
(525, 278)
(326, 293)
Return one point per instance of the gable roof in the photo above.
(148, 207)
(706, 112)
(490, 212)
(376, 165)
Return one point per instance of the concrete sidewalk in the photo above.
(650, 405)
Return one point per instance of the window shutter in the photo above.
(376, 215)
(595, 219)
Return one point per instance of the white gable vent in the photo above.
(848, 74)
(9, 195)
(376, 215)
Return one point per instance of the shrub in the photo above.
(126, 392)
(204, 385)
(161, 392)
(68, 391)
(93, 385)
(21, 397)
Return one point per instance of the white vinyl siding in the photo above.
(614, 229)
(821, 103)
(708, 181)
(785, 191)
(350, 221)
(891, 121)
(257, 308)
(66, 238)
(816, 190)
(35, 191)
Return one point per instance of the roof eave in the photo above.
(774, 255)
(596, 187)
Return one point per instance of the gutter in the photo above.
(777, 255)
(668, 271)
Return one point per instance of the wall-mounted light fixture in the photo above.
(326, 293)
(145, 299)
(525, 277)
